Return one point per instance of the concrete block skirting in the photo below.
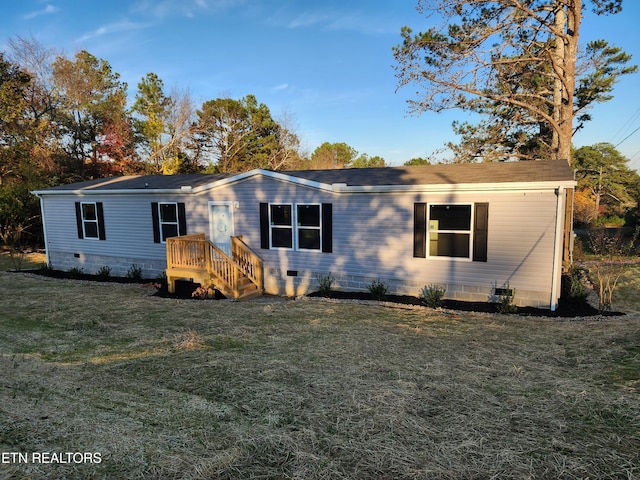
(278, 282)
(296, 283)
(91, 264)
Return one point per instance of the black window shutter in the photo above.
(102, 234)
(327, 227)
(480, 229)
(155, 217)
(264, 226)
(182, 219)
(79, 220)
(420, 230)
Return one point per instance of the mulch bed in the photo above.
(565, 309)
(185, 289)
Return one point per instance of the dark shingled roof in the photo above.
(526, 171)
(496, 172)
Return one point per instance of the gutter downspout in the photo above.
(557, 250)
(44, 229)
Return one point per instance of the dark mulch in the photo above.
(45, 272)
(184, 290)
(565, 309)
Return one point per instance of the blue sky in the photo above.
(328, 63)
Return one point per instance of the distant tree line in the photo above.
(65, 119)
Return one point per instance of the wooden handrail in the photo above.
(250, 263)
(196, 253)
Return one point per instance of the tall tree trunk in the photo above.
(567, 51)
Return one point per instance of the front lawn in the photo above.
(310, 389)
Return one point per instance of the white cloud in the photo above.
(124, 25)
(48, 10)
(279, 88)
(186, 8)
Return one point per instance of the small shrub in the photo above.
(506, 297)
(574, 289)
(378, 289)
(613, 252)
(325, 282)
(104, 272)
(134, 272)
(75, 272)
(161, 282)
(431, 295)
(45, 268)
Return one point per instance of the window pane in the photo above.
(169, 230)
(449, 244)
(89, 211)
(280, 214)
(309, 238)
(309, 215)
(281, 238)
(168, 212)
(91, 229)
(451, 217)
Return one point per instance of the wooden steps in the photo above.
(193, 257)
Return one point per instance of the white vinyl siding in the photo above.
(372, 234)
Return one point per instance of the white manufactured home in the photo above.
(471, 228)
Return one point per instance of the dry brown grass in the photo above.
(309, 389)
(21, 261)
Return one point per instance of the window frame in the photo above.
(309, 227)
(161, 223)
(273, 225)
(295, 227)
(469, 233)
(84, 221)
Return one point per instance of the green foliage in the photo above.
(431, 295)
(378, 289)
(573, 285)
(46, 268)
(93, 98)
(417, 161)
(506, 299)
(237, 135)
(325, 282)
(104, 272)
(333, 155)
(365, 161)
(481, 59)
(134, 272)
(606, 185)
(75, 272)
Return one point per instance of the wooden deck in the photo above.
(194, 257)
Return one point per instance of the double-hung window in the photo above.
(451, 230)
(296, 226)
(169, 220)
(90, 220)
(281, 221)
(309, 233)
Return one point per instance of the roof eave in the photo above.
(334, 188)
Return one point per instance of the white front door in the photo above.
(221, 221)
